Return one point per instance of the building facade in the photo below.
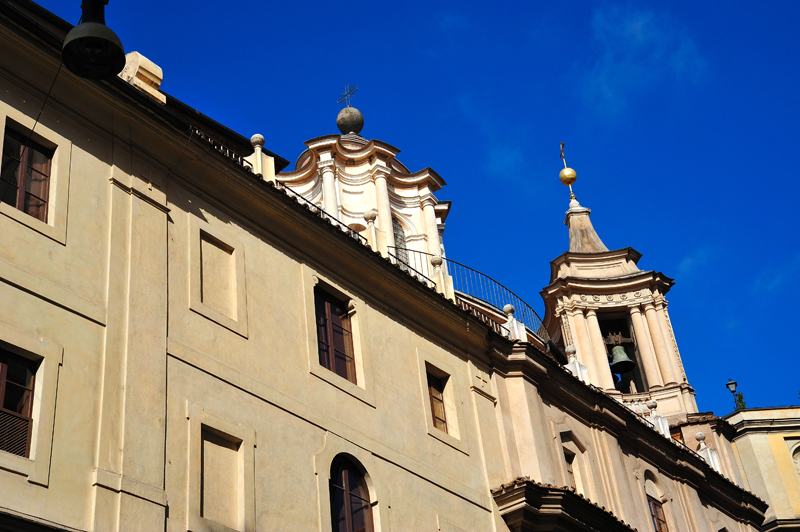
(194, 338)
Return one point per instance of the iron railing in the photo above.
(224, 150)
(480, 286)
(412, 271)
(352, 233)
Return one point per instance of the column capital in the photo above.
(574, 310)
(322, 165)
(428, 200)
(380, 172)
(591, 311)
(650, 305)
(635, 309)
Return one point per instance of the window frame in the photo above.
(25, 167)
(436, 385)
(569, 460)
(48, 356)
(29, 391)
(441, 366)
(344, 463)
(359, 312)
(54, 226)
(657, 514)
(329, 356)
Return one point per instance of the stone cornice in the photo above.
(599, 410)
(528, 506)
(378, 155)
(600, 257)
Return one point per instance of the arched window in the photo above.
(400, 246)
(350, 504)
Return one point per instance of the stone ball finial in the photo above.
(257, 140)
(509, 309)
(371, 215)
(700, 436)
(652, 405)
(350, 120)
(436, 261)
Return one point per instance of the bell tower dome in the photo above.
(615, 317)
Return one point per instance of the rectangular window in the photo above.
(657, 514)
(569, 458)
(25, 174)
(436, 392)
(334, 335)
(16, 403)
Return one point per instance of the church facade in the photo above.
(195, 336)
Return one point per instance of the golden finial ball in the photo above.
(567, 176)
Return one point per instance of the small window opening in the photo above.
(436, 392)
(17, 378)
(25, 174)
(334, 335)
(569, 458)
(657, 515)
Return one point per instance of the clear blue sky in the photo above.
(682, 121)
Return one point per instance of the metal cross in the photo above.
(564, 158)
(348, 92)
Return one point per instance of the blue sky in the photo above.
(681, 120)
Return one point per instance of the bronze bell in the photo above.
(91, 50)
(620, 363)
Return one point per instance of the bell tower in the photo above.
(614, 317)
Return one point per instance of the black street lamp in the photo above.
(91, 50)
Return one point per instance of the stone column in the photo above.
(669, 338)
(384, 212)
(584, 346)
(329, 203)
(431, 227)
(599, 350)
(662, 354)
(645, 351)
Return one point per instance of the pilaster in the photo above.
(129, 462)
(385, 233)
(329, 203)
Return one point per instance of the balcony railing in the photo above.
(476, 286)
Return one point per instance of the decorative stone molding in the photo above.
(145, 75)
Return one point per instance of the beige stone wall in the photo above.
(766, 446)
